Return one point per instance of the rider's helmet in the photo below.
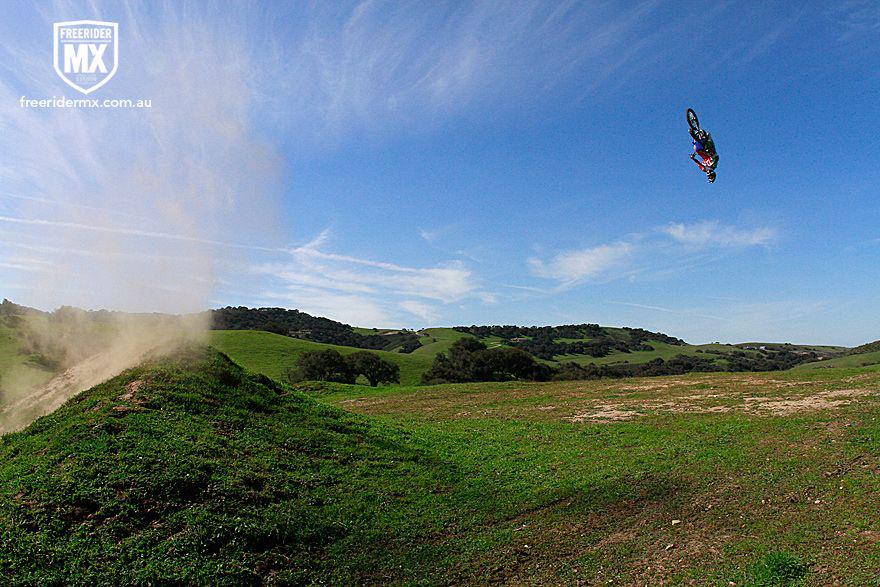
(711, 176)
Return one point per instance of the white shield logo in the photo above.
(86, 53)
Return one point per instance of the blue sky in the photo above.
(415, 164)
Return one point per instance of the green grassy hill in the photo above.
(871, 347)
(191, 471)
(865, 355)
(661, 350)
(437, 340)
(271, 354)
(857, 360)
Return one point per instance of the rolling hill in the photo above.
(867, 358)
(414, 351)
(436, 340)
(871, 347)
(272, 354)
(190, 471)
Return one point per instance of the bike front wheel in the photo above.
(692, 119)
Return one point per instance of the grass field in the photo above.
(271, 354)
(190, 471)
(772, 479)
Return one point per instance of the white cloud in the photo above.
(680, 312)
(857, 18)
(312, 279)
(349, 309)
(710, 233)
(666, 250)
(427, 235)
(423, 311)
(571, 267)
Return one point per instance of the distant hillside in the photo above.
(8, 308)
(307, 327)
(865, 355)
(547, 342)
(871, 347)
(437, 340)
(623, 350)
(846, 361)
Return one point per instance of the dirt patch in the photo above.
(132, 389)
(608, 413)
(820, 401)
(702, 404)
(650, 386)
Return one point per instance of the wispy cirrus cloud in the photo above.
(687, 312)
(711, 233)
(733, 321)
(643, 252)
(365, 291)
(371, 66)
(120, 206)
(857, 18)
(571, 267)
(420, 309)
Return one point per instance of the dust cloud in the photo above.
(86, 348)
(138, 211)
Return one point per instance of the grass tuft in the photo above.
(776, 569)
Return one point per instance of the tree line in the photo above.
(301, 325)
(469, 360)
(595, 341)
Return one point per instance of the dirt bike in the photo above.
(700, 135)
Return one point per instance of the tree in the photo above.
(326, 365)
(513, 363)
(376, 369)
(470, 360)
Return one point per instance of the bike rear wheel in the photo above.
(692, 119)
